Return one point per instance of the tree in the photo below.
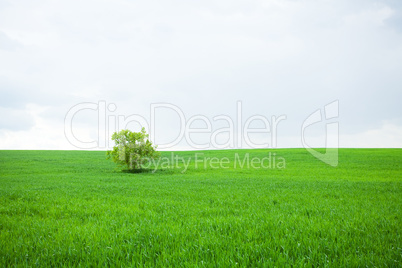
(132, 149)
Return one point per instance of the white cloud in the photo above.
(15, 119)
(277, 57)
(387, 136)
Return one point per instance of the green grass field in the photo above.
(74, 208)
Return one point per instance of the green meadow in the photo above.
(75, 208)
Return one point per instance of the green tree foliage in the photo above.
(132, 149)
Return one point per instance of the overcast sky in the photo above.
(208, 58)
